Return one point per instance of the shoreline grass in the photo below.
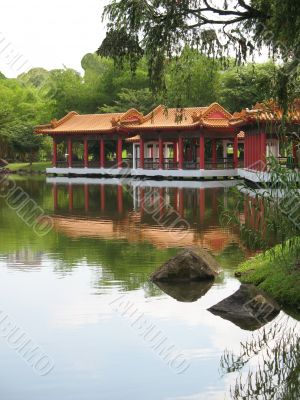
(26, 167)
(277, 272)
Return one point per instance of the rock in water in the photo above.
(249, 308)
(187, 266)
(186, 292)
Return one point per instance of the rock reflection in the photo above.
(186, 292)
(249, 308)
(268, 364)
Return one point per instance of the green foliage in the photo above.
(277, 272)
(242, 87)
(191, 80)
(21, 107)
(142, 100)
(161, 29)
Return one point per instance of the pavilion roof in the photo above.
(266, 112)
(76, 123)
(161, 118)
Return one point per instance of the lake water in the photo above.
(81, 293)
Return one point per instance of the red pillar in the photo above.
(85, 153)
(246, 140)
(70, 153)
(263, 151)
(102, 153)
(54, 159)
(160, 153)
(250, 150)
(180, 149)
(201, 151)
(70, 197)
(119, 152)
(142, 154)
(214, 151)
(235, 152)
(175, 155)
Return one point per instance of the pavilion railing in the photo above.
(62, 164)
(167, 164)
(153, 164)
(220, 163)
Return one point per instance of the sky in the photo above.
(48, 34)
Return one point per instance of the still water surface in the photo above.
(64, 291)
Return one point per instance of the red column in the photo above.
(102, 153)
(246, 140)
(250, 150)
(70, 153)
(201, 151)
(86, 153)
(119, 152)
(70, 197)
(263, 150)
(142, 154)
(175, 155)
(180, 149)
(214, 151)
(161, 153)
(235, 152)
(54, 159)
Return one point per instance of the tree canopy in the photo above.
(160, 29)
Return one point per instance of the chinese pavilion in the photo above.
(193, 142)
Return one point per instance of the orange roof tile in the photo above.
(75, 123)
(161, 117)
(266, 112)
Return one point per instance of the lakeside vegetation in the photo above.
(28, 167)
(277, 272)
(268, 222)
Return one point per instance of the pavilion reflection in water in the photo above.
(137, 212)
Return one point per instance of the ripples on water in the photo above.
(106, 241)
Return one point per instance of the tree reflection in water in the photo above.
(268, 364)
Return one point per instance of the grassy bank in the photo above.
(26, 167)
(277, 272)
